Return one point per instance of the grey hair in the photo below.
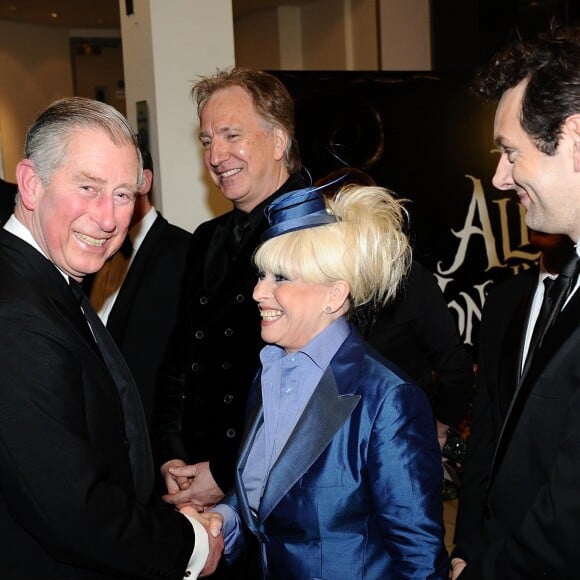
(48, 137)
(273, 102)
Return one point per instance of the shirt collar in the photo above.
(15, 227)
(320, 350)
(138, 232)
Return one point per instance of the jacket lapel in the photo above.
(324, 415)
(564, 326)
(54, 287)
(117, 321)
(510, 361)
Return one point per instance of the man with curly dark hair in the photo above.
(519, 511)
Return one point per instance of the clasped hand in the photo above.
(190, 485)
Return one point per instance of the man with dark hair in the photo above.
(76, 471)
(247, 133)
(136, 292)
(519, 510)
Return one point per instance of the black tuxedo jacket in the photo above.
(67, 498)
(418, 333)
(213, 355)
(7, 192)
(519, 513)
(144, 311)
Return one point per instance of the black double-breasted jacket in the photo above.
(213, 354)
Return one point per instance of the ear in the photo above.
(572, 127)
(338, 296)
(147, 181)
(29, 184)
(280, 143)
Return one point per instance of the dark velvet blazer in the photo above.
(68, 507)
(212, 358)
(519, 506)
(418, 333)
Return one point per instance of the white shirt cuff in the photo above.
(200, 550)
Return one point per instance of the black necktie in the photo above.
(135, 424)
(555, 293)
(126, 248)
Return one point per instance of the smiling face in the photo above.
(548, 186)
(244, 158)
(81, 216)
(292, 311)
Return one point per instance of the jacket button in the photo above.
(195, 367)
(228, 332)
(199, 334)
(226, 365)
(230, 433)
(203, 300)
(240, 298)
(228, 399)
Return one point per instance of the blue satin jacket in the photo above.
(356, 493)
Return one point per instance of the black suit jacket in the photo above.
(144, 311)
(204, 381)
(7, 192)
(418, 333)
(67, 499)
(519, 512)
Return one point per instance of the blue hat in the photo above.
(296, 210)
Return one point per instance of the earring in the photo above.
(328, 309)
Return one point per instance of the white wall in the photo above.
(256, 40)
(166, 46)
(290, 38)
(338, 35)
(35, 69)
(323, 35)
(405, 34)
(362, 33)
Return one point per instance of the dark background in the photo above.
(466, 33)
(420, 135)
(429, 138)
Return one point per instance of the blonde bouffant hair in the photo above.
(367, 247)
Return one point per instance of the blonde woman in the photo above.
(339, 475)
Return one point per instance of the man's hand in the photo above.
(457, 566)
(174, 483)
(212, 522)
(190, 485)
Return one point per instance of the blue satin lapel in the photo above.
(325, 413)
